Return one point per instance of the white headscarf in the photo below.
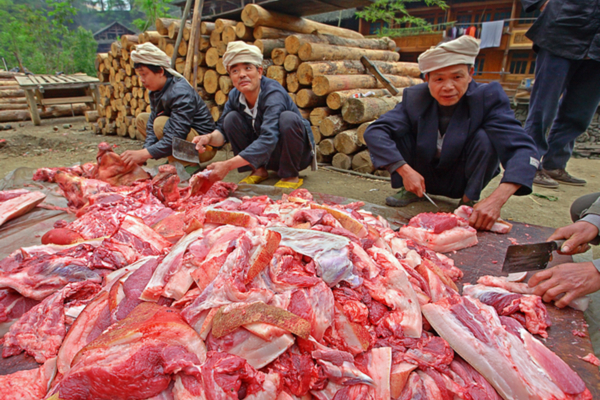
(147, 53)
(463, 50)
(240, 52)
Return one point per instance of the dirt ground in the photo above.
(53, 145)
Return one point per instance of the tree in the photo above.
(152, 10)
(394, 12)
(41, 38)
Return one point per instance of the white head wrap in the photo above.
(240, 52)
(463, 50)
(147, 53)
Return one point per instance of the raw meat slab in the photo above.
(478, 261)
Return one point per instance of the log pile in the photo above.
(319, 65)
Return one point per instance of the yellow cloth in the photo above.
(240, 52)
(463, 50)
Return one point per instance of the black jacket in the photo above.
(185, 109)
(416, 119)
(567, 28)
(272, 101)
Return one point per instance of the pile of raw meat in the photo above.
(161, 292)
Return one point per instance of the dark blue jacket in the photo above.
(272, 101)
(485, 106)
(566, 28)
(185, 109)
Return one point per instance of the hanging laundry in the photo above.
(491, 34)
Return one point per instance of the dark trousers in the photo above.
(293, 152)
(477, 165)
(578, 81)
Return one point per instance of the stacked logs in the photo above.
(14, 107)
(13, 104)
(319, 65)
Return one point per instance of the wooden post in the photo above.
(510, 30)
(192, 50)
(35, 116)
(196, 42)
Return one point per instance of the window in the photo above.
(522, 62)
(375, 27)
(479, 63)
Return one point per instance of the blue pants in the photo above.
(578, 81)
(477, 165)
(293, 152)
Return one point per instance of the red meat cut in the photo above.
(113, 170)
(441, 232)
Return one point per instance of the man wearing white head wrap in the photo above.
(449, 135)
(176, 109)
(263, 125)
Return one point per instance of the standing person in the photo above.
(574, 280)
(566, 37)
(449, 135)
(262, 123)
(176, 109)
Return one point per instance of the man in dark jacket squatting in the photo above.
(449, 135)
(262, 123)
(176, 108)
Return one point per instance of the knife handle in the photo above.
(558, 244)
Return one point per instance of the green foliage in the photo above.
(152, 9)
(37, 37)
(394, 12)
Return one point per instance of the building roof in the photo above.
(114, 24)
(232, 9)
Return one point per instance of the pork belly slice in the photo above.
(14, 203)
(529, 310)
(441, 232)
(515, 364)
(500, 226)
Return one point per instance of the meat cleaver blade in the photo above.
(185, 151)
(529, 257)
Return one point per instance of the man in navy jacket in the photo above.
(263, 125)
(449, 136)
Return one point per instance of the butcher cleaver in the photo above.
(186, 151)
(529, 257)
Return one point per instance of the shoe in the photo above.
(403, 198)
(254, 179)
(563, 176)
(469, 203)
(543, 180)
(289, 185)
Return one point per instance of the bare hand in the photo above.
(412, 180)
(138, 157)
(573, 279)
(485, 214)
(201, 142)
(218, 170)
(578, 235)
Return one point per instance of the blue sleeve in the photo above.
(259, 152)
(226, 109)
(178, 125)
(515, 149)
(381, 136)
